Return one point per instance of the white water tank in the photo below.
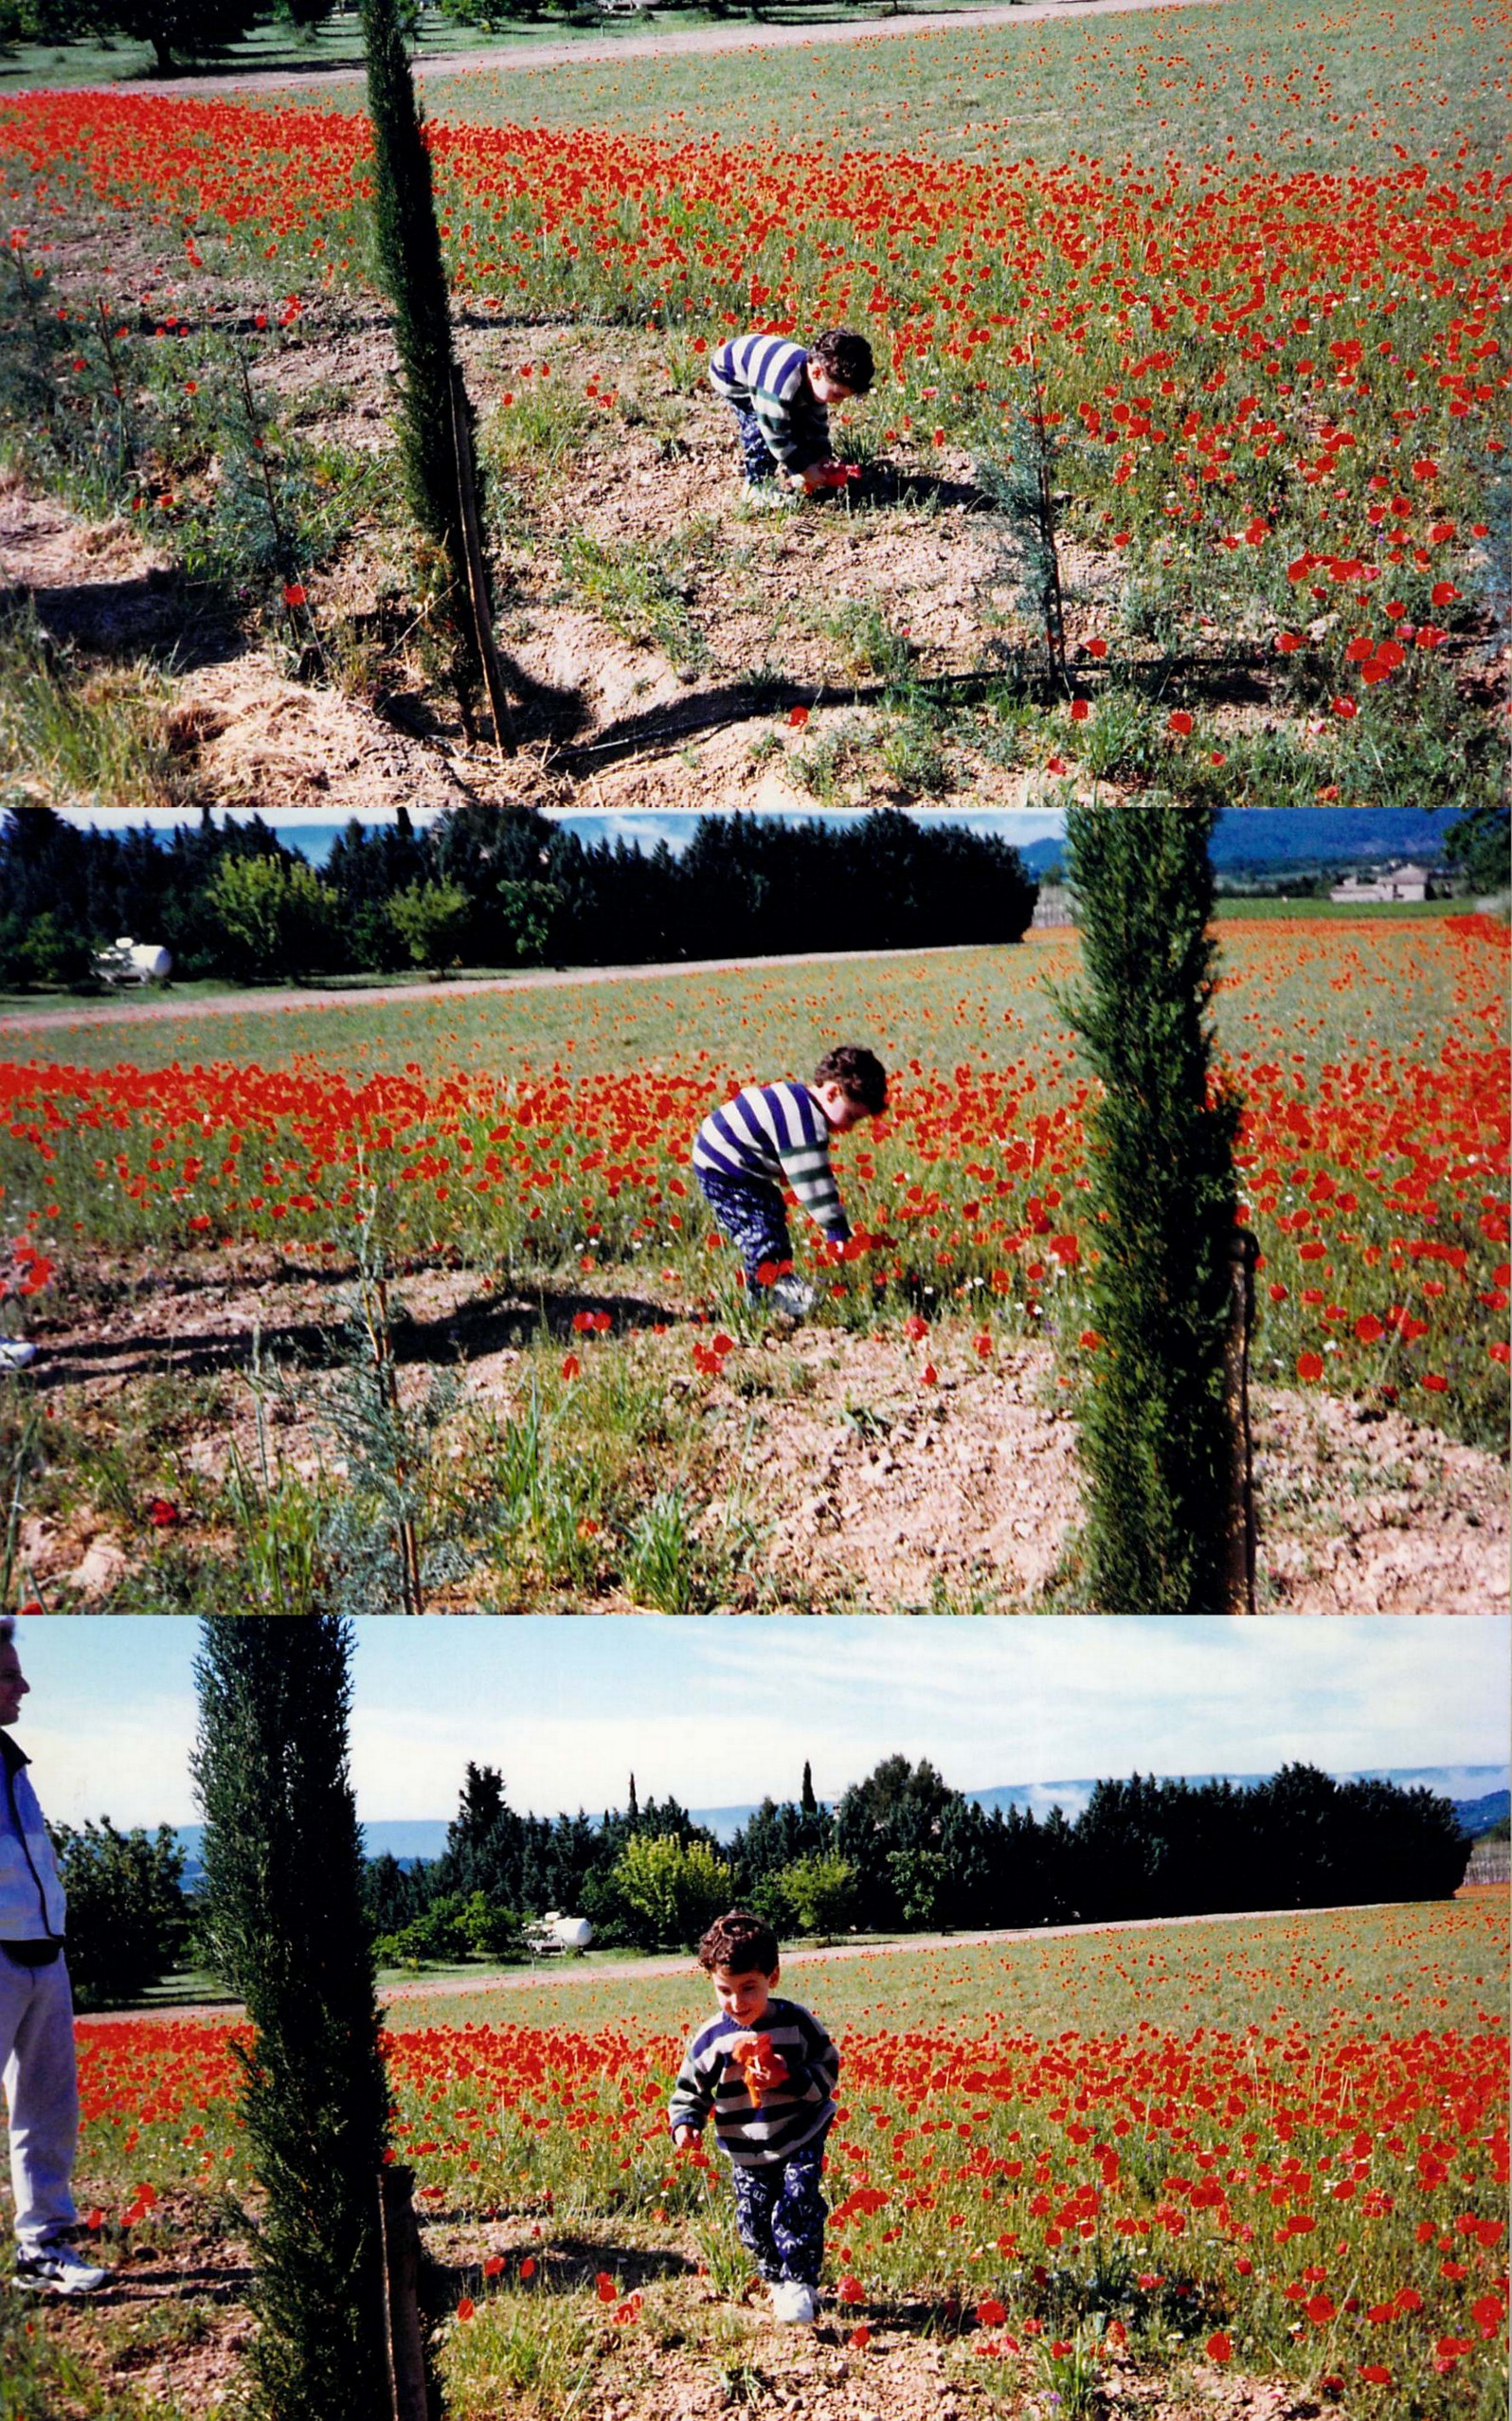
(573, 1933)
(130, 962)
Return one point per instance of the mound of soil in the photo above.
(259, 739)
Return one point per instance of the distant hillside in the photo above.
(1267, 838)
(1271, 841)
(1484, 1814)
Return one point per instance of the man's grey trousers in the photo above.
(42, 2096)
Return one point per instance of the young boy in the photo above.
(768, 2070)
(780, 395)
(776, 1134)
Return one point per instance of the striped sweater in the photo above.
(776, 1134)
(768, 376)
(789, 2115)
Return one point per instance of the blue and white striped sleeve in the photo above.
(693, 2096)
(801, 1138)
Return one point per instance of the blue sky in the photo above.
(718, 1712)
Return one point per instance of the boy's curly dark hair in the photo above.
(744, 1943)
(859, 1073)
(843, 355)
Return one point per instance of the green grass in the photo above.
(1177, 81)
(333, 50)
(1390, 1970)
(938, 1006)
(1396, 910)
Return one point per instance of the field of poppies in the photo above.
(1374, 1151)
(589, 1412)
(1274, 2148)
(1264, 354)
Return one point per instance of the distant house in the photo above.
(1387, 882)
(1054, 906)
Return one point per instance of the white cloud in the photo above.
(720, 1712)
(128, 1762)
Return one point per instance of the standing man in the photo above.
(36, 2021)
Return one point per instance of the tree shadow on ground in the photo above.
(447, 1340)
(178, 624)
(566, 2265)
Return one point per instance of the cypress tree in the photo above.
(411, 265)
(285, 1930)
(1155, 1424)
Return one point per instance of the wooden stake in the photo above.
(409, 2392)
(1243, 1253)
(476, 578)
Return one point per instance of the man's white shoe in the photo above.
(16, 1354)
(792, 1295)
(795, 2303)
(58, 2269)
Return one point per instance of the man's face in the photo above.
(743, 1998)
(14, 1684)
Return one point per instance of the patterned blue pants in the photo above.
(754, 1218)
(761, 462)
(781, 2211)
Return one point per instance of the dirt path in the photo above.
(385, 995)
(458, 1987)
(523, 58)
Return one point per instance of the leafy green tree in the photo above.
(127, 1914)
(276, 916)
(528, 912)
(1156, 1435)
(821, 1891)
(1480, 846)
(285, 1929)
(456, 1926)
(177, 28)
(672, 1890)
(44, 949)
(920, 1878)
(431, 919)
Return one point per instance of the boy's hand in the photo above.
(761, 2067)
(685, 2138)
(829, 473)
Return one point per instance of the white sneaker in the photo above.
(793, 1296)
(793, 2302)
(767, 495)
(58, 2269)
(16, 1354)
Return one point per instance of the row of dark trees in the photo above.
(489, 887)
(180, 30)
(916, 1854)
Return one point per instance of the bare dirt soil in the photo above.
(657, 630)
(868, 1491)
(174, 2326)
